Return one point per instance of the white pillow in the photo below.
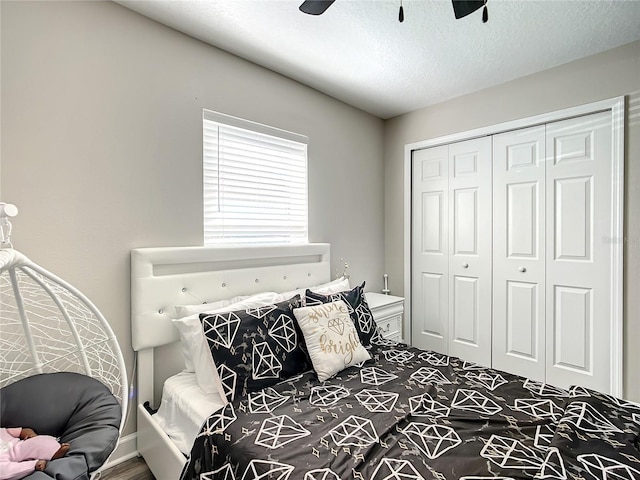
(186, 336)
(331, 337)
(334, 286)
(196, 354)
(338, 285)
(186, 310)
(194, 345)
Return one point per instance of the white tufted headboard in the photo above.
(168, 276)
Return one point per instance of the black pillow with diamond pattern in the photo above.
(358, 310)
(257, 347)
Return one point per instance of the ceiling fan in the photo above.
(461, 8)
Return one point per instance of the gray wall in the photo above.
(606, 75)
(101, 145)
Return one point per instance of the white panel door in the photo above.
(519, 252)
(470, 250)
(579, 252)
(430, 249)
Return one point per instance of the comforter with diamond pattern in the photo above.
(411, 414)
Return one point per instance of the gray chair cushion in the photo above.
(78, 409)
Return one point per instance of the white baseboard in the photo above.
(127, 448)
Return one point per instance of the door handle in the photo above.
(522, 269)
(465, 265)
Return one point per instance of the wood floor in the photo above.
(134, 469)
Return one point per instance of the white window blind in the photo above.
(255, 182)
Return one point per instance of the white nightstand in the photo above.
(387, 312)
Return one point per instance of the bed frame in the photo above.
(168, 276)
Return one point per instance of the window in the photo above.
(255, 182)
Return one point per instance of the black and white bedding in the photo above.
(411, 414)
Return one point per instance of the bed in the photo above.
(396, 413)
(164, 277)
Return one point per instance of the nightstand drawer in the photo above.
(391, 326)
(387, 312)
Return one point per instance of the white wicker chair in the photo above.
(47, 325)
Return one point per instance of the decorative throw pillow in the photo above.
(331, 337)
(255, 348)
(195, 349)
(358, 310)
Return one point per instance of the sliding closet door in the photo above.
(430, 249)
(579, 251)
(470, 250)
(451, 250)
(519, 252)
(516, 249)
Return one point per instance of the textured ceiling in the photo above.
(359, 52)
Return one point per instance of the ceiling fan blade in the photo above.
(462, 8)
(315, 7)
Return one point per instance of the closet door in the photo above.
(519, 252)
(470, 250)
(430, 249)
(579, 251)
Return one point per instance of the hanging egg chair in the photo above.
(62, 372)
